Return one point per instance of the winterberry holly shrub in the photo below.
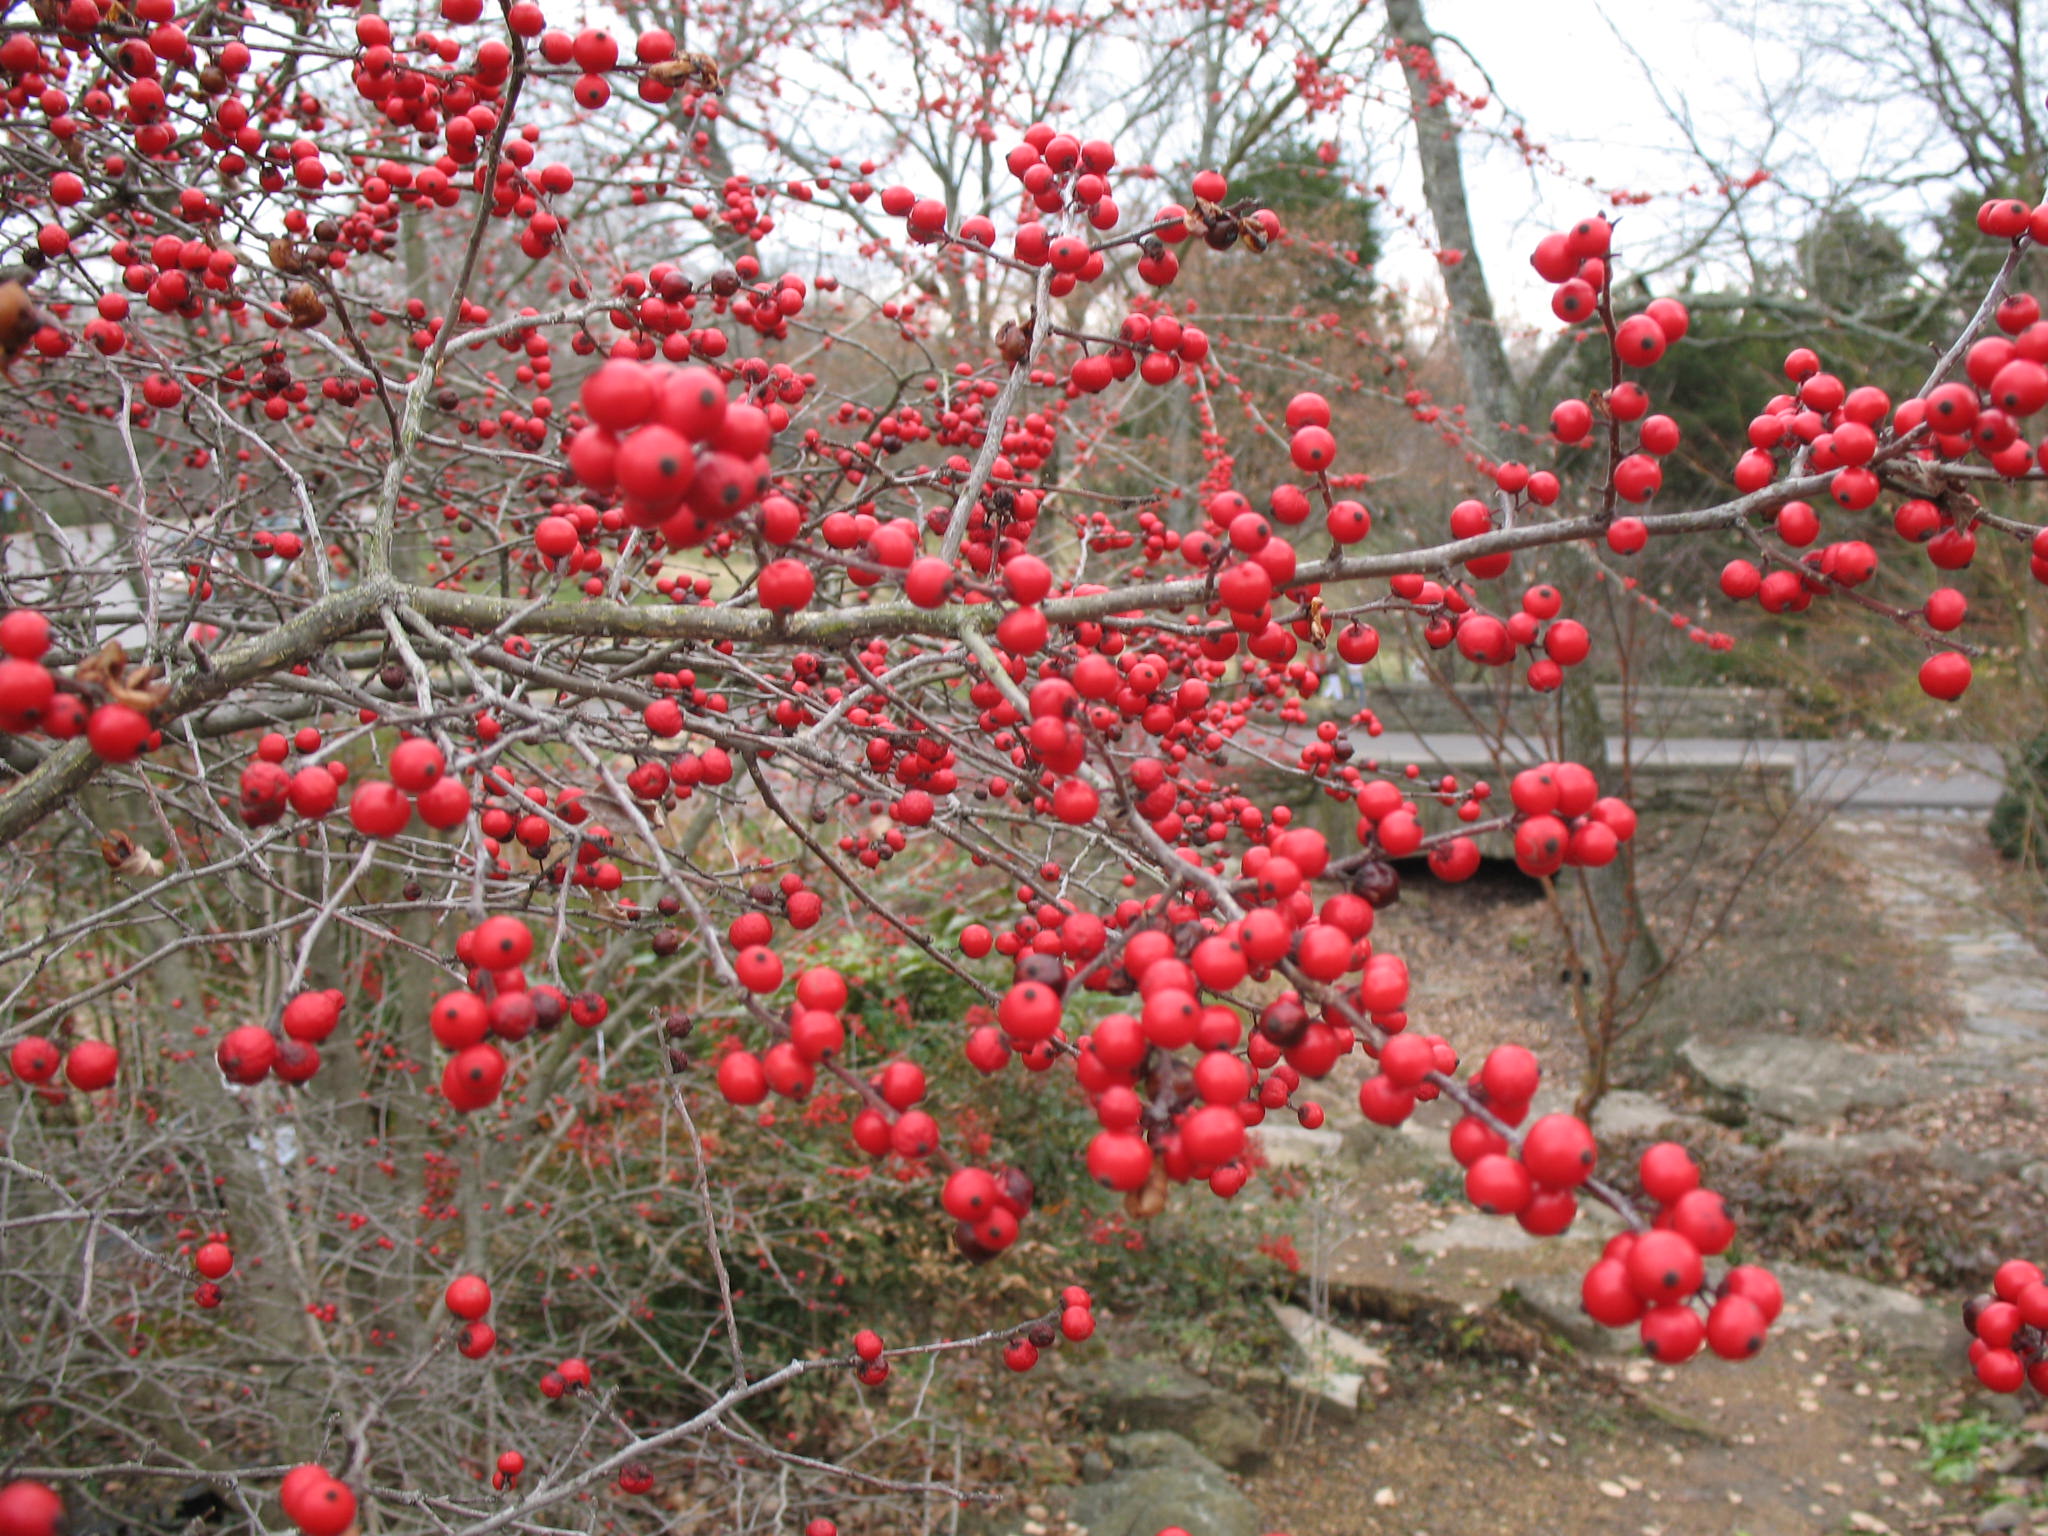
(516, 565)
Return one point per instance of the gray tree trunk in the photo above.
(1490, 402)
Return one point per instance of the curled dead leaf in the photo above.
(108, 671)
(304, 304)
(1150, 1199)
(698, 69)
(129, 859)
(18, 319)
(1318, 621)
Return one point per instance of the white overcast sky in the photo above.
(1567, 70)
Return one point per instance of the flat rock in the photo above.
(1807, 1082)
(1144, 1448)
(1837, 1151)
(1989, 1163)
(1553, 1300)
(2030, 1460)
(1625, 1112)
(2004, 1518)
(1294, 1146)
(1324, 1343)
(1125, 1395)
(1162, 1480)
(1336, 1362)
(1473, 1233)
(1820, 1301)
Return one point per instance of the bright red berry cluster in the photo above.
(2009, 1329)
(1658, 1278)
(680, 456)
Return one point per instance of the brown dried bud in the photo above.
(1378, 882)
(1220, 236)
(305, 306)
(667, 941)
(1013, 342)
(969, 1246)
(18, 318)
(391, 677)
(677, 1026)
(698, 69)
(285, 256)
(1284, 1021)
(1149, 1199)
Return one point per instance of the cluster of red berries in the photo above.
(1076, 1323)
(316, 1501)
(268, 789)
(514, 815)
(1577, 261)
(2009, 1329)
(1156, 347)
(988, 1206)
(379, 808)
(1567, 823)
(789, 1067)
(1651, 1277)
(468, 1297)
(1537, 1182)
(1842, 431)
(32, 700)
(680, 456)
(497, 1002)
(89, 1065)
(511, 1464)
(1495, 642)
(214, 1260)
(249, 1053)
(570, 1375)
(1657, 1279)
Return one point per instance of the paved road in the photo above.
(1855, 775)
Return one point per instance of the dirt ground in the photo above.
(1806, 1438)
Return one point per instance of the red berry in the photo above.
(30, 1509)
(1673, 1334)
(1559, 1150)
(1667, 1171)
(1664, 1267)
(468, 1297)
